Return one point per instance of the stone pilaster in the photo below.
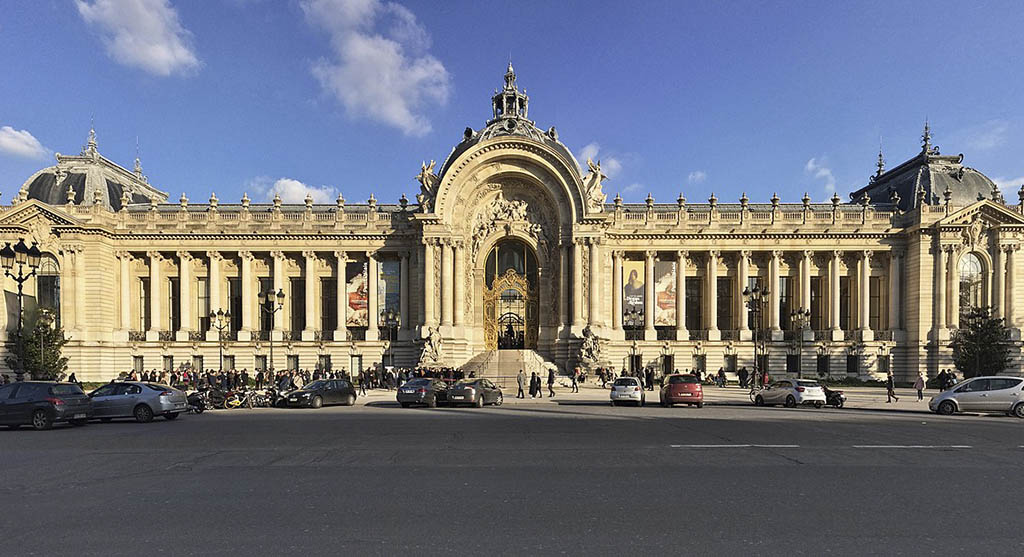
(617, 290)
(649, 332)
(184, 295)
(372, 311)
(341, 330)
(681, 332)
(155, 284)
(312, 311)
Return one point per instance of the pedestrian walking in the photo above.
(521, 381)
(890, 389)
(551, 383)
(650, 378)
(534, 384)
(575, 379)
(363, 380)
(919, 385)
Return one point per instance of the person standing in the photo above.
(919, 385)
(520, 381)
(890, 389)
(576, 379)
(534, 384)
(551, 383)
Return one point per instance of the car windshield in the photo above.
(808, 383)
(66, 390)
(625, 382)
(680, 379)
(418, 382)
(466, 383)
(156, 387)
(315, 385)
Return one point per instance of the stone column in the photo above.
(649, 332)
(712, 297)
(617, 290)
(577, 285)
(952, 291)
(895, 268)
(278, 275)
(341, 330)
(403, 293)
(214, 280)
(184, 294)
(744, 281)
(155, 320)
(459, 282)
(312, 315)
(998, 282)
(833, 290)
(80, 295)
(248, 300)
(940, 289)
(775, 297)
(125, 259)
(864, 294)
(446, 283)
(805, 280)
(595, 287)
(372, 313)
(1011, 285)
(681, 333)
(563, 285)
(429, 317)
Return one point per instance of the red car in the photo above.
(682, 388)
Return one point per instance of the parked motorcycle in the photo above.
(834, 398)
(197, 402)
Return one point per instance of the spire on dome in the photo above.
(926, 138)
(138, 161)
(510, 102)
(90, 144)
(880, 165)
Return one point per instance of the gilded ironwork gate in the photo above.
(510, 313)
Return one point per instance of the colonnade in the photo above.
(999, 288)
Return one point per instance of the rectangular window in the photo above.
(174, 303)
(786, 297)
(823, 365)
(730, 362)
(883, 363)
(762, 363)
(298, 304)
(699, 362)
(876, 303)
(203, 307)
(168, 363)
(261, 363)
(49, 294)
(725, 301)
(144, 304)
(323, 362)
(266, 318)
(355, 365)
(235, 303)
(197, 363)
(817, 308)
(852, 364)
(293, 362)
(752, 317)
(229, 362)
(138, 364)
(694, 317)
(329, 304)
(844, 304)
(793, 364)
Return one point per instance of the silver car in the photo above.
(982, 394)
(791, 393)
(136, 399)
(627, 389)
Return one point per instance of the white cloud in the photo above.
(697, 176)
(1009, 186)
(987, 135)
(610, 166)
(142, 33)
(21, 143)
(815, 169)
(632, 187)
(380, 68)
(292, 190)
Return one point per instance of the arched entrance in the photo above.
(510, 297)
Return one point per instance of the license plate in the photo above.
(408, 391)
(685, 394)
(293, 399)
(459, 396)
(79, 416)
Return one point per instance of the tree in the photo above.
(41, 353)
(981, 344)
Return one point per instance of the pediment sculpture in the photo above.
(592, 185)
(428, 185)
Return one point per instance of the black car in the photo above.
(476, 392)
(423, 390)
(42, 403)
(321, 392)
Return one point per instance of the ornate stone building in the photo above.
(511, 253)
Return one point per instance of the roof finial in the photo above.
(90, 145)
(926, 138)
(138, 161)
(881, 160)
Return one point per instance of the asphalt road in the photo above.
(528, 479)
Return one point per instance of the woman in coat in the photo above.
(919, 385)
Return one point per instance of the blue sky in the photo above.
(351, 95)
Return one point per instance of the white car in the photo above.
(628, 389)
(790, 393)
(982, 394)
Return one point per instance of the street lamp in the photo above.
(756, 299)
(271, 303)
(800, 319)
(22, 255)
(221, 320)
(390, 319)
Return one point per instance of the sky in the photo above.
(350, 96)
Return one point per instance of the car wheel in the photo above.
(350, 400)
(317, 402)
(1019, 410)
(78, 423)
(41, 419)
(499, 400)
(759, 400)
(790, 402)
(171, 416)
(700, 405)
(479, 402)
(947, 408)
(143, 414)
(432, 402)
(819, 404)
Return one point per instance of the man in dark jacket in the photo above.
(551, 383)
(650, 378)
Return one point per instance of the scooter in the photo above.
(834, 398)
(197, 402)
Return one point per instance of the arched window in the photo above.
(49, 285)
(972, 283)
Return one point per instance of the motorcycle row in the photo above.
(212, 398)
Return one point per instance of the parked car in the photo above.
(628, 389)
(790, 393)
(982, 394)
(137, 399)
(476, 392)
(682, 388)
(43, 403)
(323, 391)
(423, 390)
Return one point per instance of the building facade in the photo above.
(511, 252)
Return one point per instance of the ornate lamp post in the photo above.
(221, 320)
(756, 299)
(801, 319)
(20, 255)
(271, 303)
(390, 319)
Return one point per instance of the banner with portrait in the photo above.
(357, 293)
(632, 292)
(388, 286)
(664, 293)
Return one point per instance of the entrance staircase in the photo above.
(502, 366)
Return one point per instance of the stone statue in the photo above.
(592, 182)
(590, 349)
(431, 347)
(428, 184)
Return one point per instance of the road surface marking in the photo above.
(913, 447)
(744, 446)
